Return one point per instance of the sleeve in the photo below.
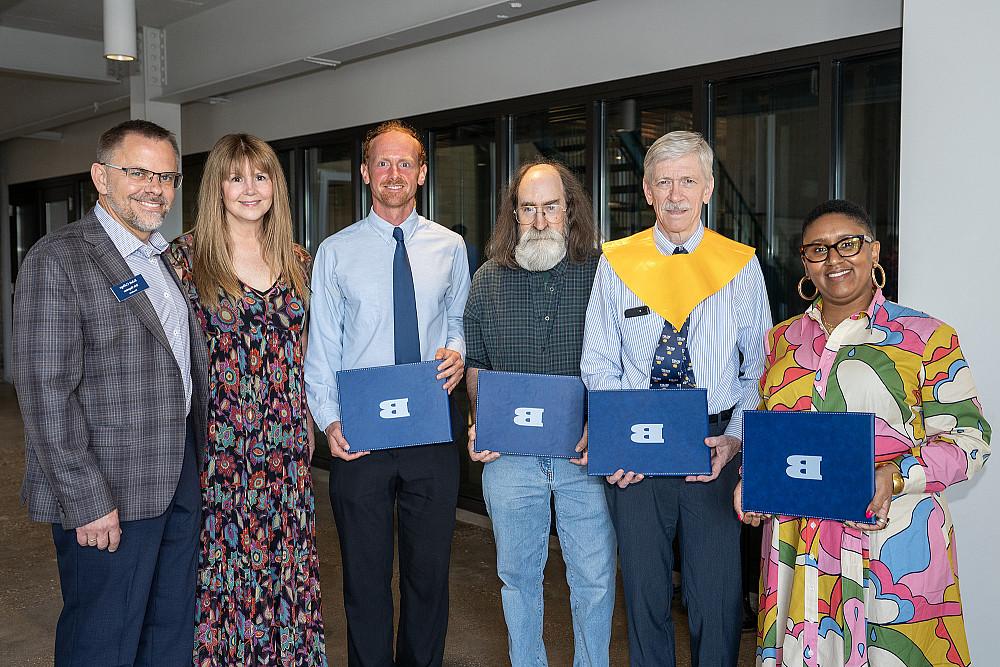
(456, 296)
(47, 369)
(753, 318)
(956, 434)
(324, 354)
(476, 354)
(601, 359)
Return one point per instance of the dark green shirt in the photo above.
(528, 321)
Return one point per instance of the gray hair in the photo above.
(677, 144)
(112, 139)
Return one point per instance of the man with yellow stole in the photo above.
(679, 305)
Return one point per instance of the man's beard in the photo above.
(131, 217)
(540, 249)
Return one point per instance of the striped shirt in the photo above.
(726, 337)
(170, 305)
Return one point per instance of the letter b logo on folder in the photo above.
(525, 413)
(394, 406)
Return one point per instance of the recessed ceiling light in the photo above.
(515, 5)
(502, 16)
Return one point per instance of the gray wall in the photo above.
(948, 262)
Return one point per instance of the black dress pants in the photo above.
(421, 485)
(647, 516)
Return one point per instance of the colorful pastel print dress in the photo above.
(258, 595)
(831, 595)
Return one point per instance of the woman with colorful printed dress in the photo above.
(258, 595)
(841, 593)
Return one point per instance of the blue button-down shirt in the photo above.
(728, 325)
(170, 305)
(350, 313)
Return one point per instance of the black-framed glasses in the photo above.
(849, 246)
(526, 215)
(140, 175)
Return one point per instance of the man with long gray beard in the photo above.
(111, 371)
(526, 314)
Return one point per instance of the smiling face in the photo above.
(247, 194)
(393, 171)
(139, 206)
(841, 281)
(677, 189)
(542, 243)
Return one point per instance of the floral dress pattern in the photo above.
(258, 594)
(835, 596)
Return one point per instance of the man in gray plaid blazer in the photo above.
(111, 370)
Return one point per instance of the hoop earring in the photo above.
(879, 284)
(802, 293)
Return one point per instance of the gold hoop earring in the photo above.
(879, 284)
(802, 293)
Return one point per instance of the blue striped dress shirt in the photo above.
(726, 337)
(170, 305)
(350, 314)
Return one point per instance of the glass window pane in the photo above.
(769, 153)
(192, 170)
(869, 160)
(463, 199)
(463, 161)
(633, 124)
(559, 134)
(331, 192)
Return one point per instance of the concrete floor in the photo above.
(30, 599)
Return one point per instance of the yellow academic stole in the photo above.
(672, 285)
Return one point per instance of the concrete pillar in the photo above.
(147, 81)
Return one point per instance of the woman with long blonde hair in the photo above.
(258, 595)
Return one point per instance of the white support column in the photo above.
(146, 83)
(948, 262)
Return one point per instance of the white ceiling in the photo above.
(52, 72)
(85, 18)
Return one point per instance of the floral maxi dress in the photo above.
(258, 595)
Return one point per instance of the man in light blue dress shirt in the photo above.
(625, 342)
(354, 323)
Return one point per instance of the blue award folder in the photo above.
(809, 464)
(648, 431)
(522, 413)
(393, 406)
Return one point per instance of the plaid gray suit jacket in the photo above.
(100, 391)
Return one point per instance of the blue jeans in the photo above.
(517, 490)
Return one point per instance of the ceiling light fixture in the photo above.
(119, 30)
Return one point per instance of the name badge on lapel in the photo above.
(130, 287)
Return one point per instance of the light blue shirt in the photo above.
(350, 313)
(170, 305)
(618, 351)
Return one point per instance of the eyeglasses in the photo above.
(849, 246)
(526, 215)
(140, 175)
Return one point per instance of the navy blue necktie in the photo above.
(405, 335)
(672, 359)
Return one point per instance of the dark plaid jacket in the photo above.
(100, 392)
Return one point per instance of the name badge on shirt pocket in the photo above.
(130, 287)
(637, 311)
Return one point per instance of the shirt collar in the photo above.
(814, 311)
(384, 228)
(665, 246)
(125, 241)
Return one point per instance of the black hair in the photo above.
(843, 207)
